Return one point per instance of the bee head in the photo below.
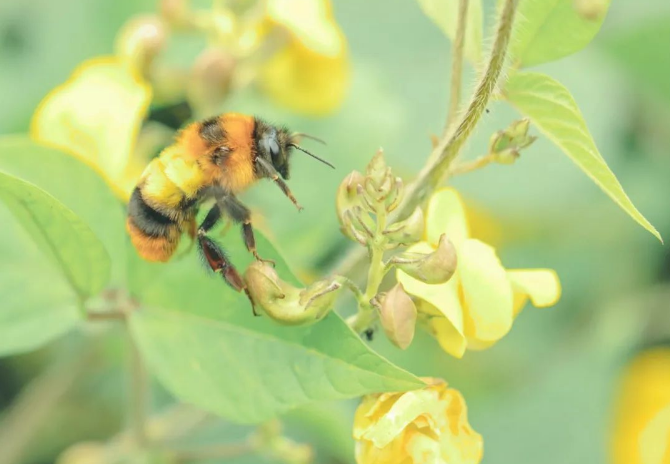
(276, 143)
(273, 145)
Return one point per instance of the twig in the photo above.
(457, 64)
(448, 147)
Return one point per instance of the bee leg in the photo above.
(241, 214)
(216, 258)
(269, 171)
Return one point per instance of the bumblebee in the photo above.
(212, 159)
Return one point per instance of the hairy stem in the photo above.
(449, 145)
(457, 65)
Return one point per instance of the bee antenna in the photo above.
(307, 136)
(310, 154)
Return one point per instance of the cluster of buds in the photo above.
(364, 204)
(506, 145)
(364, 201)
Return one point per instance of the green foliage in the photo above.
(59, 232)
(552, 109)
(546, 30)
(190, 326)
(205, 345)
(445, 14)
(641, 52)
(76, 186)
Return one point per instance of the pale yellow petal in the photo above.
(305, 81)
(644, 392)
(95, 115)
(542, 286)
(446, 215)
(450, 339)
(463, 445)
(655, 439)
(444, 297)
(311, 22)
(486, 292)
(404, 411)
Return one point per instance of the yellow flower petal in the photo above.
(542, 286)
(450, 339)
(446, 215)
(311, 22)
(305, 81)
(442, 296)
(644, 393)
(95, 115)
(655, 439)
(466, 446)
(404, 411)
(486, 292)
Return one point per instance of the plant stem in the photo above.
(449, 145)
(139, 393)
(457, 64)
(466, 167)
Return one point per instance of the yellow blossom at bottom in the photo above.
(641, 433)
(427, 426)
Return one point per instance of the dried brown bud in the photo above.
(432, 268)
(408, 231)
(397, 314)
(285, 303)
(210, 79)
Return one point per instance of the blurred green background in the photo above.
(546, 392)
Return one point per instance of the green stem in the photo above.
(457, 64)
(139, 394)
(466, 167)
(448, 147)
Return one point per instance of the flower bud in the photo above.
(513, 139)
(591, 9)
(407, 231)
(347, 194)
(285, 303)
(432, 268)
(210, 79)
(506, 156)
(397, 314)
(141, 39)
(376, 169)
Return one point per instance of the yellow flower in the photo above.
(477, 306)
(428, 426)
(96, 116)
(641, 433)
(311, 73)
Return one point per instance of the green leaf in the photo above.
(203, 343)
(60, 233)
(546, 30)
(552, 109)
(38, 304)
(445, 14)
(74, 184)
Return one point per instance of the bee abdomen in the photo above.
(154, 235)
